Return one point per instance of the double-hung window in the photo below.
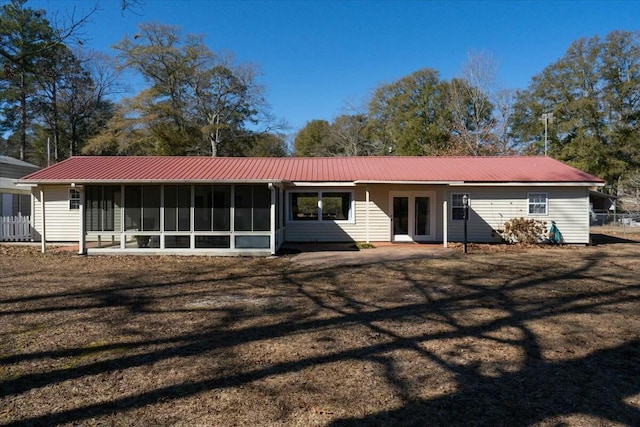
(538, 203)
(74, 199)
(457, 205)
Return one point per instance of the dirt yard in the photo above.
(545, 337)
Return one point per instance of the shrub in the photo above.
(524, 231)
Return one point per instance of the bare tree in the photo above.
(503, 101)
(470, 104)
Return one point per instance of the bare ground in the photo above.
(500, 337)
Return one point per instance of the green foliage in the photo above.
(25, 36)
(265, 145)
(408, 116)
(420, 114)
(362, 245)
(346, 136)
(592, 92)
(524, 231)
(313, 140)
(46, 91)
(196, 102)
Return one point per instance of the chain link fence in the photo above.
(621, 222)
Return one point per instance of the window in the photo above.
(422, 215)
(335, 206)
(304, 206)
(457, 206)
(321, 206)
(74, 199)
(537, 203)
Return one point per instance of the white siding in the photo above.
(491, 207)
(379, 223)
(379, 218)
(330, 231)
(62, 223)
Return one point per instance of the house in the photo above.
(14, 200)
(205, 205)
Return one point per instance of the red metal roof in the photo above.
(317, 169)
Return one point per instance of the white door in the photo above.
(412, 216)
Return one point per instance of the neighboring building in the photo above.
(14, 200)
(253, 205)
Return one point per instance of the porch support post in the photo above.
(367, 200)
(123, 237)
(445, 224)
(43, 234)
(192, 217)
(81, 237)
(272, 219)
(32, 219)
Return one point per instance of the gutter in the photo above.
(33, 183)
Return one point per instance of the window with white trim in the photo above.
(457, 206)
(538, 203)
(74, 199)
(329, 205)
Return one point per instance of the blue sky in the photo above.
(316, 57)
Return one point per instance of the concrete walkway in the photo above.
(334, 255)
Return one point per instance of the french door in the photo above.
(412, 216)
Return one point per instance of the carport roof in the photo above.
(112, 169)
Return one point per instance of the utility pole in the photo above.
(546, 117)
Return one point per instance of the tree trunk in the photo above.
(73, 144)
(214, 137)
(23, 116)
(54, 124)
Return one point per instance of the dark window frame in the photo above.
(457, 206)
(346, 214)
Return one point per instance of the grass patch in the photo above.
(362, 245)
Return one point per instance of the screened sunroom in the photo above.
(230, 218)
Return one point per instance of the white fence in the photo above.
(15, 228)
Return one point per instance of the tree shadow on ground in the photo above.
(296, 248)
(608, 239)
(597, 383)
